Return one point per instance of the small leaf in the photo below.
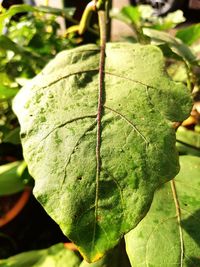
(189, 35)
(10, 178)
(159, 240)
(174, 43)
(54, 256)
(57, 112)
(7, 93)
(132, 14)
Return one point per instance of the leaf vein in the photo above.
(129, 79)
(67, 122)
(64, 77)
(130, 123)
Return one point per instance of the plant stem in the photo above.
(85, 20)
(102, 25)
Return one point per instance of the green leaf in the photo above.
(132, 14)
(175, 44)
(160, 240)
(11, 178)
(55, 256)
(7, 92)
(189, 35)
(64, 12)
(57, 112)
(8, 44)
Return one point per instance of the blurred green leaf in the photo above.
(7, 92)
(132, 14)
(55, 256)
(177, 70)
(65, 12)
(177, 46)
(144, 16)
(169, 53)
(184, 149)
(11, 178)
(189, 35)
(15, 9)
(116, 14)
(189, 138)
(11, 12)
(12, 137)
(8, 44)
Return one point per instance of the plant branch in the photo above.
(102, 25)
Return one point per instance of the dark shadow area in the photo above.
(193, 262)
(191, 226)
(32, 229)
(10, 153)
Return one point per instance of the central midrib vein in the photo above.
(102, 23)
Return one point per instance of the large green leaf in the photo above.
(169, 235)
(57, 112)
(55, 256)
